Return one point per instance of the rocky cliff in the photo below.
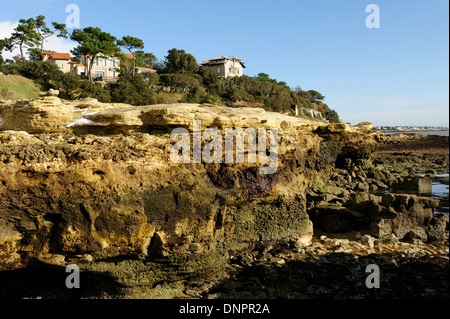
(94, 185)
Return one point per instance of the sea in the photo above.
(440, 190)
(441, 133)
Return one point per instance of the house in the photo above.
(62, 60)
(226, 67)
(104, 68)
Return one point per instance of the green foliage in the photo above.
(264, 77)
(133, 90)
(25, 35)
(181, 80)
(95, 90)
(333, 117)
(151, 78)
(145, 59)
(209, 77)
(5, 44)
(274, 96)
(69, 86)
(44, 73)
(197, 95)
(315, 96)
(131, 43)
(34, 54)
(180, 62)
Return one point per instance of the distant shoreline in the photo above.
(422, 132)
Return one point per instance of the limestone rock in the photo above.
(366, 126)
(338, 127)
(45, 114)
(421, 184)
(50, 92)
(400, 214)
(50, 114)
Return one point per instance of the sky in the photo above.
(397, 74)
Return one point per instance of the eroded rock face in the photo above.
(86, 199)
(71, 199)
(95, 185)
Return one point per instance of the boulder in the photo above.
(420, 184)
(338, 127)
(400, 214)
(416, 236)
(365, 126)
(437, 229)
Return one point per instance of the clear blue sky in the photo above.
(395, 75)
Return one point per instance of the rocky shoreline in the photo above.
(93, 184)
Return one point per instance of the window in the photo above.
(112, 74)
(113, 62)
(218, 70)
(104, 62)
(99, 74)
(95, 61)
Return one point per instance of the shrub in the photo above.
(133, 90)
(181, 80)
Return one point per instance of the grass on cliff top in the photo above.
(16, 87)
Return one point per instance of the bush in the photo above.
(44, 73)
(181, 80)
(133, 90)
(69, 86)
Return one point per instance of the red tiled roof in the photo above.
(58, 56)
(128, 55)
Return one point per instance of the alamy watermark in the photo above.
(232, 153)
(373, 19)
(73, 19)
(373, 280)
(73, 280)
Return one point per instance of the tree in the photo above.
(25, 35)
(93, 42)
(333, 117)
(316, 96)
(264, 77)
(209, 76)
(5, 44)
(131, 43)
(145, 59)
(34, 54)
(45, 32)
(178, 61)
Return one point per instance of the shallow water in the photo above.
(441, 192)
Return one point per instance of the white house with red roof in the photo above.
(62, 60)
(104, 68)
